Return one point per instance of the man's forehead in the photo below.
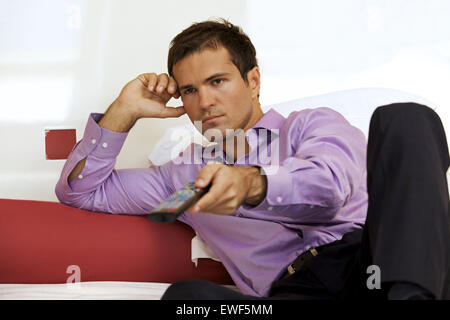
(202, 65)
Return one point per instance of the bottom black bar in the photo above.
(226, 309)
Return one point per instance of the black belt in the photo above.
(300, 262)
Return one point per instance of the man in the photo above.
(292, 226)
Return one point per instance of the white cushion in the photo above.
(174, 141)
(356, 105)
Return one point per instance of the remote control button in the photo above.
(187, 193)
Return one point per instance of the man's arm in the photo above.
(138, 99)
(88, 179)
(117, 118)
(326, 169)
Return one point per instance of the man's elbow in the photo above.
(342, 185)
(66, 196)
(333, 195)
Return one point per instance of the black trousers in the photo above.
(406, 237)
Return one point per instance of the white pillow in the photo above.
(174, 141)
(356, 105)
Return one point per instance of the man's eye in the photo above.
(188, 91)
(217, 81)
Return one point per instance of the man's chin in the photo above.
(214, 134)
(220, 134)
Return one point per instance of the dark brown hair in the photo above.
(213, 34)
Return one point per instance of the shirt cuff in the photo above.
(101, 142)
(279, 188)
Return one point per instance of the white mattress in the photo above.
(94, 290)
(101, 290)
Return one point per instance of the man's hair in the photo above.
(213, 34)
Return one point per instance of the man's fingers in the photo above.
(172, 87)
(158, 84)
(148, 80)
(163, 81)
(152, 80)
(209, 199)
(170, 112)
(205, 176)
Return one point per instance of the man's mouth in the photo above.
(210, 119)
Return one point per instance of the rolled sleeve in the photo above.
(279, 188)
(101, 142)
(100, 147)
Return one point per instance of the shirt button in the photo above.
(279, 199)
(93, 141)
(80, 176)
(270, 208)
(104, 145)
(311, 206)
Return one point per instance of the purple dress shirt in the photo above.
(315, 163)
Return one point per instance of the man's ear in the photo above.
(253, 79)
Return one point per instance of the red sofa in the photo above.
(40, 240)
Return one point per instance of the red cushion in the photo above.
(40, 240)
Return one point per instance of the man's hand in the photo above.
(144, 97)
(148, 95)
(230, 187)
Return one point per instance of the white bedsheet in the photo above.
(89, 290)
(98, 290)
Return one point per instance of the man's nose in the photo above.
(206, 97)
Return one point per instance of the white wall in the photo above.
(314, 47)
(62, 59)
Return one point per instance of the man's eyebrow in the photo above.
(216, 75)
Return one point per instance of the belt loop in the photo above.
(291, 269)
(301, 260)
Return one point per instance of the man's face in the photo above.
(214, 93)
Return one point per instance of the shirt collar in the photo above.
(271, 120)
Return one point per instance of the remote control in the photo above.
(169, 210)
